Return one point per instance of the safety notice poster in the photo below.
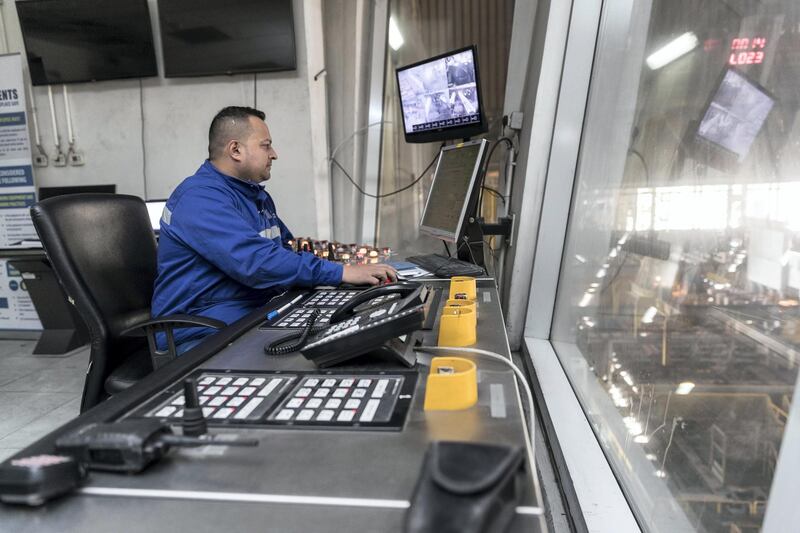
(17, 193)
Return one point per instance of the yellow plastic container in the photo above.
(452, 384)
(462, 285)
(458, 325)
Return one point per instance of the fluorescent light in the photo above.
(641, 439)
(672, 50)
(395, 37)
(649, 315)
(684, 388)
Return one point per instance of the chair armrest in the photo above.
(165, 324)
(175, 322)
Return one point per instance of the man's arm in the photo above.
(207, 220)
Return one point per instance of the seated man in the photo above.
(222, 250)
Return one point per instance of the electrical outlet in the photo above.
(40, 160)
(76, 158)
(60, 160)
(516, 120)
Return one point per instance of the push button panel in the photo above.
(312, 399)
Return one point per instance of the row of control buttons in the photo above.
(299, 317)
(317, 399)
(224, 396)
(330, 298)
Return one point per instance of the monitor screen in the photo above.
(155, 208)
(736, 113)
(452, 189)
(440, 97)
(205, 37)
(68, 41)
(49, 192)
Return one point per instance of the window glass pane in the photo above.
(677, 315)
(429, 28)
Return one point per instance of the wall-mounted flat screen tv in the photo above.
(208, 37)
(71, 41)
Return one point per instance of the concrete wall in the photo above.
(147, 135)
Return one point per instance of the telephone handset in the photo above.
(361, 326)
(356, 304)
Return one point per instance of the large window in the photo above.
(677, 317)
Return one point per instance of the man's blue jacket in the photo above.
(223, 252)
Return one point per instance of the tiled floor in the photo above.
(38, 393)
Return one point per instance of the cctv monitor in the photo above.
(735, 114)
(207, 37)
(453, 197)
(49, 192)
(440, 97)
(70, 41)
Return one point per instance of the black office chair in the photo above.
(103, 252)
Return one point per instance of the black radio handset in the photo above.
(403, 288)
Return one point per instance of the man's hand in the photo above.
(368, 274)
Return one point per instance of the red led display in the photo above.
(747, 51)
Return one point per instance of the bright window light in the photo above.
(395, 37)
(672, 50)
(684, 388)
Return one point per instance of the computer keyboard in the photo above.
(349, 399)
(445, 267)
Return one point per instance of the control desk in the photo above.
(340, 448)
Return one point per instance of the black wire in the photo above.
(495, 192)
(486, 167)
(447, 249)
(275, 348)
(365, 193)
(644, 164)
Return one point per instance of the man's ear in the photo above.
(234, 150)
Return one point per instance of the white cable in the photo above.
(70, 135)
(520, 378)
(56, 135)
(36, 137)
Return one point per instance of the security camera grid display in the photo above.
(736, 114)
(440, 93)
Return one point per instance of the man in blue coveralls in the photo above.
(222, 250)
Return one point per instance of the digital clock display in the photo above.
(747, 51)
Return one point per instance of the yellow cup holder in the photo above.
(452, 384)
(458, 325)
(462, 288)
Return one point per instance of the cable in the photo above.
(275, 348)
(378, 196)
(486, 167)
(520, 379)
(144, 151)
(447, 249)
(495, 192)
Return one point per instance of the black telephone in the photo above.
(360, 326)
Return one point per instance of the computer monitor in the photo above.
(735, 114)
(452, 196)
(49, 192)
(440, 97)
(155, 208)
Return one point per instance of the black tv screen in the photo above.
(440, 97)
(70, 41)
(207, 37)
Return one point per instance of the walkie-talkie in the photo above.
(132, 445)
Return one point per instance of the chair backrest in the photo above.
(103, 252)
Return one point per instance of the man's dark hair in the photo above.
(232, 122)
